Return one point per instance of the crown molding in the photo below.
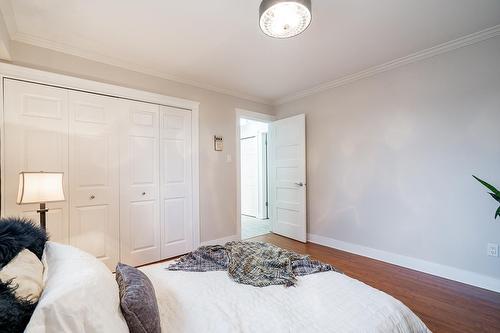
(95, 56)
(8, 16)
(16, 35)
(417, 56)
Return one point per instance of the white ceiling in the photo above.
(217, 44)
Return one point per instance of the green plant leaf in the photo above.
(488, 186)
(497, 214)
(495, 196)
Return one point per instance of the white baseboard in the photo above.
(221, 241)
(447, 272)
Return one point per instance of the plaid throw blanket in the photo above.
(254, 263)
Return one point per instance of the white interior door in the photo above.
(249, 176)
(176, 182)
(36, 139)
(139, 184)
(287, 177)
(94, 177)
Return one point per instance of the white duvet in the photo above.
(80, 295)
(323, 302)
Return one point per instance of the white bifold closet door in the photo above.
(127, 170)
(94, 175)
(175, 181)
(140, 228)
(35, 139)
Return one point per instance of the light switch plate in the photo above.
(218, 143)
(492, 250)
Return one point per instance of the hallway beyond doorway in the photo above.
(252, 227)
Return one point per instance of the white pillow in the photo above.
(25, 272)
(80, 294)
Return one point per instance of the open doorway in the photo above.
(271, 175)
(254, 187)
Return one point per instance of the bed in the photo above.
(81, 295)
(322, 302)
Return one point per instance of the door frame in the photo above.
(9, 71)
(250, 115)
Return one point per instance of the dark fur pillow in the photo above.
(17, 234)
(15, 314)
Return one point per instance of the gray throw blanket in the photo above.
(254, 263)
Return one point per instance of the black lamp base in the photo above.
(42, 211)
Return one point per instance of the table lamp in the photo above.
(40, 187)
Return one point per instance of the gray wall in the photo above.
(390, 159)
(217, 116)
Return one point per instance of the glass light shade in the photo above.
(40, 187)
(285, 19)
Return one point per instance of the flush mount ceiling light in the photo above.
(284, 19)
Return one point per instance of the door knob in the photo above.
(299, 184)
(143, 193)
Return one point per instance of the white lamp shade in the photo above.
(39, 187)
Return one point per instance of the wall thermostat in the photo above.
(218, 143)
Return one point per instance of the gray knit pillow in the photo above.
(137, 300)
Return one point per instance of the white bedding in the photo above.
(323, 302)
(80, 295)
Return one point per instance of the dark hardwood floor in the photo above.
(444, 305)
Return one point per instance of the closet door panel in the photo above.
(93, 224)
(139, 184)
(94, 175)
(175, 233)
(57, 221)
(36, 139)
(175, 179)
